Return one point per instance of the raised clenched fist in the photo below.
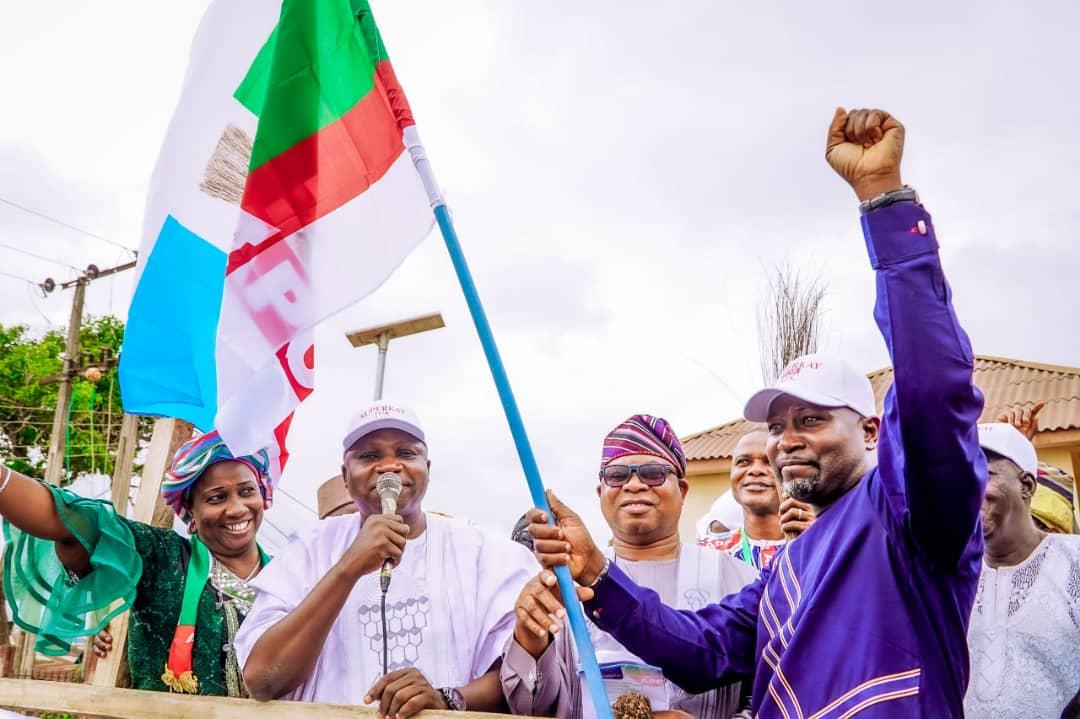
(865, 148)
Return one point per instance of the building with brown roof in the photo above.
(1006, 383)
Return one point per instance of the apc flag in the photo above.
(284, 192)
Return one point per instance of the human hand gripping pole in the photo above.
(586, 652)
(388, 485)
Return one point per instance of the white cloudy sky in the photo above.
(621, 173)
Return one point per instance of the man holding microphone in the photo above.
(318, 631)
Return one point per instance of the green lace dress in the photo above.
(133, 565)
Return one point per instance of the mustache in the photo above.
(782, 462)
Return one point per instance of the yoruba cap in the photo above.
(644, 434)
(821, 380)
(1003, 439)
(382, 414)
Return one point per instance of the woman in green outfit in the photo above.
(71, 564)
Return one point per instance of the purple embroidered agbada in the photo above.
(865, 614)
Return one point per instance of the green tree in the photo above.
(27, 403)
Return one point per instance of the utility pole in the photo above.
(58, 438)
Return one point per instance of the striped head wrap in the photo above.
(195, 456)
(645, 434)
(1054, 499)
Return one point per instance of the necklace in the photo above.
(234, 587)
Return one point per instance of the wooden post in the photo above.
(125, 461)
(134, 704)
(168, 435)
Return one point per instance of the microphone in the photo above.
(388, 485)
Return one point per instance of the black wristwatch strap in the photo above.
(903, 194)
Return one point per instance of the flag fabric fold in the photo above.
(283, 193)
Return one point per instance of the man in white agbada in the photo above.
(642, 487)
(1024, 636)
(315, 630)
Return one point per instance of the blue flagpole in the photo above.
(524, 449)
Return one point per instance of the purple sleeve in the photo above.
(544, 687)
(929, 462)
(697, 650)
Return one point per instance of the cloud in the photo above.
(621, 176)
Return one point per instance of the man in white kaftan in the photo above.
(1024, 636)
(315, 631)
(449, 608)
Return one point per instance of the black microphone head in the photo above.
(388, 485)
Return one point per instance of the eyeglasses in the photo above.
(652, 474)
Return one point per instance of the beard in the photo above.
(804, 489)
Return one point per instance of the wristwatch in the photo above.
(453, 698)
(903, 194)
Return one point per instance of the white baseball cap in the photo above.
(1007, 441)
(820, 380)
(382, 414)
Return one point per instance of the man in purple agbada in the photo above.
(866, 613)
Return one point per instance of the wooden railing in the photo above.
(22, 695)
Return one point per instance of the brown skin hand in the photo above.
(819, 453)
(1026, 420)
(405, 692)
(1008, 529)
(865, 148)
(567, 542)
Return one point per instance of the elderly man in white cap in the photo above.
(1025, 629)
(866, 613)
(319, 629)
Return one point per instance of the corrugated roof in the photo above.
(1005, 382)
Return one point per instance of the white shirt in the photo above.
(450, 608)
(1024, 636)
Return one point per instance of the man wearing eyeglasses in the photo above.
(642, 486)
(866, 614)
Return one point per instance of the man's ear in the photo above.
(871, 427)
(344, 475)
(599, 489)
(684, 488)
(1027, 486)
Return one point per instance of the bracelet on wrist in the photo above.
(602, 575)
(901, 194)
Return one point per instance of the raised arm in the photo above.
(28, 505)
(929, 456)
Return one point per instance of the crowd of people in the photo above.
(912, 564)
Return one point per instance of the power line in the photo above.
(33, 301)
(55, 221)
(16, 277)
(28, 253)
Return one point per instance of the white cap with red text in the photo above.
(382, 414)
(1005, 440)
(820, 380)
